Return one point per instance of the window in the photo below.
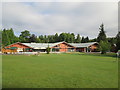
(55, 49)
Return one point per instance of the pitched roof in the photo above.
(17, 43)
(43, 45)
(37, 45)
(82, 44)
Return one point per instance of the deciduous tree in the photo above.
(24, 36)
(104, 46)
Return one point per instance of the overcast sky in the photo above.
(82, 18)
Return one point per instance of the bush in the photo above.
(104, 46)
(48, 50)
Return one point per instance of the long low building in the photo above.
(55, 47)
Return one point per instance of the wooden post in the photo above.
(51, 50)
(84, 49)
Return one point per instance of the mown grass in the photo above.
(105, 55)
(59, 71)
(0, 71)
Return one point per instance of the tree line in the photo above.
(106, 44)
(8, 37)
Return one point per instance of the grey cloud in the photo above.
(49, 18)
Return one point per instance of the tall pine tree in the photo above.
(118, 41)
(104, 45)
(56, 37)
(5, 38)
(72, 38)
(102, 35)
(78, 38)
(83, 40)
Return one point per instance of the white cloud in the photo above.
(60, 0)
(49, 18)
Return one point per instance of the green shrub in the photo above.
(104, 46)
(48, 50)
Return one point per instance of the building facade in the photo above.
(19, 46)
(63, 47)
(55, 47)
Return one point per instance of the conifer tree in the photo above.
(102, 35)
(78, 38)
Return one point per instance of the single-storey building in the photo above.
(86, 47)
(19, 46)
(55, 47)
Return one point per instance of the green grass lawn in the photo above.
(59, 71)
